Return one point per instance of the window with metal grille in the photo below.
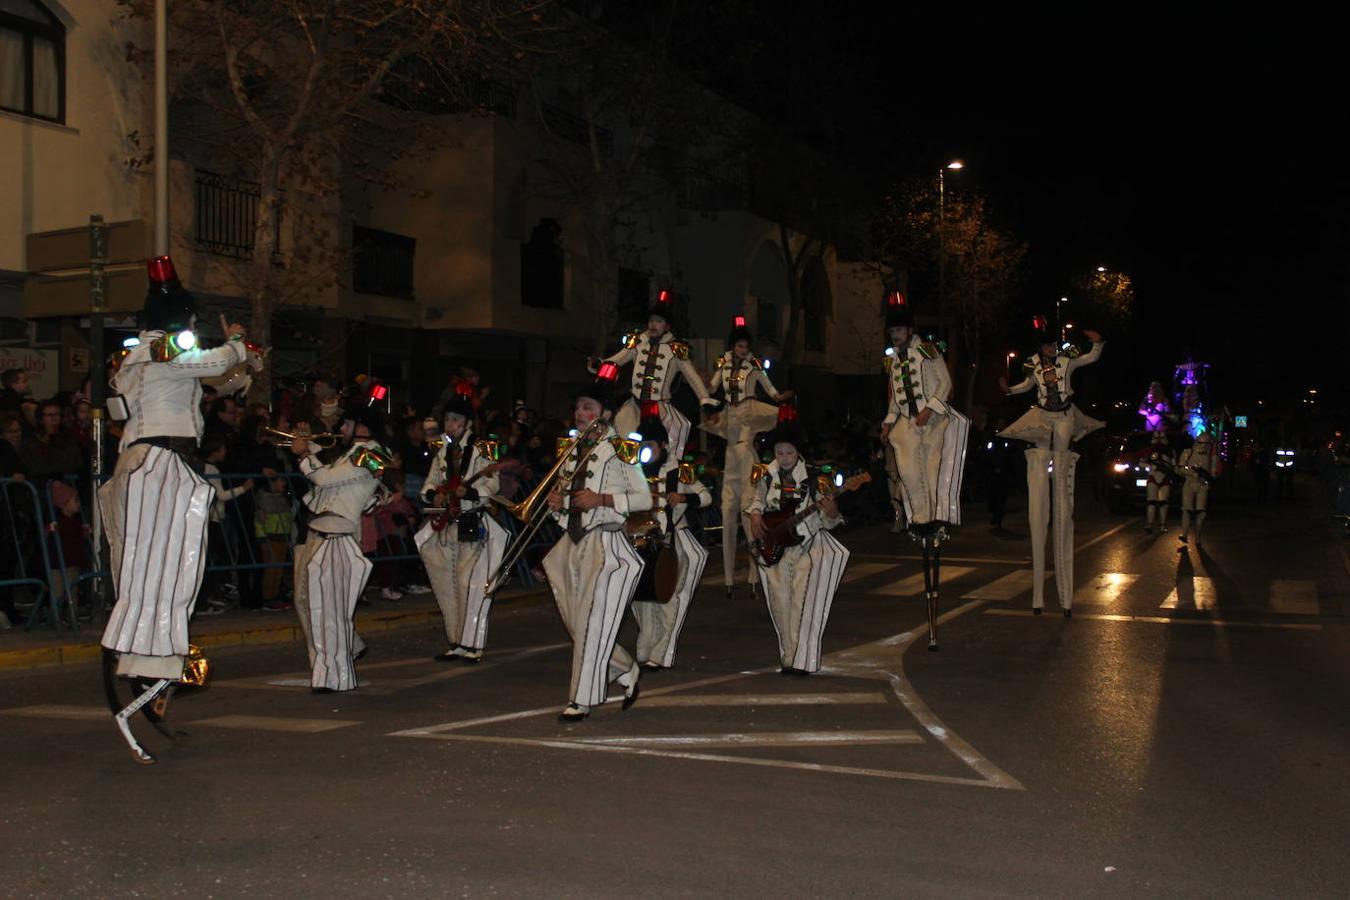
(227, 215)
(382, 262)
(32, 61)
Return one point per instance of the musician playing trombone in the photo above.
(463, 545)
(800, 587)
(593, 569)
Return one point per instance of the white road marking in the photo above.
(878, 660)
(275, 723)
(1105, 588)
(1201, 591)
(912, 585)
(56, 711)
(840, 699)
(1168, 620)
(859, 571)
(762, 739)
(387, 685)
(1294, 596)
(1005, 588)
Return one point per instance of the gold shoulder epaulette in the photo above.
(756, 362)
(489, 449)
(564, 444)
(758, 471)
(631, 339)
(375, 459)
(687, 475)
(680, 349)
(625, 449)
(929, 350)
(724, 361)
(824, 485)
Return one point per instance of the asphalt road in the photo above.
(1184, 734)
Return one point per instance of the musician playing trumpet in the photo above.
(800, 588)
(660, 607)
(593, 569)
(463, 545)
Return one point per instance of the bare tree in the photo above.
(301, 95)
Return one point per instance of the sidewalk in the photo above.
(44, 646)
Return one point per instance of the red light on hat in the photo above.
(651, 409)
(379, 392)
(160, 270)
(787, 413)
(663, 297)
(464, 390)
(738, 322)
(895, 298)
(1039, 323)
(608, 372)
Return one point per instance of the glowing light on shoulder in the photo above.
(890, 351)
(572, 433)
(185, 340)
(646, 454)
(634, 436)
(838, 479)
(131, 342)
(767, 363)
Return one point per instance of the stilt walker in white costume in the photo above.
(658, 361)
(673, 571)
(155, 507)
(1160, 470)
(794, 501)
(593, 570)
(1052, 425)
(927, 439)
(1200, 464)
(463, 545)
(741, 420)
(330, 569)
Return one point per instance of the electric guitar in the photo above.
(781, 526)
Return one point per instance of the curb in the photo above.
(87, 651)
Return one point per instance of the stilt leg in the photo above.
(130, 710)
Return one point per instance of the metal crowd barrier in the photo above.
(23, 547)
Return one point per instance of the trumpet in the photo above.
(533, 511)
(325, 439)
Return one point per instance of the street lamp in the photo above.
(1012, 354)
(955, 165)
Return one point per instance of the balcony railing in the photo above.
(382, 262)
(227, 215)
(571, 127)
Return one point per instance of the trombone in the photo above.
(533, 511)
(325, 439)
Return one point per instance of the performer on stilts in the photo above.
(659, 607)
(658, 361)
(1160, 470)
(155, 507)
(740, 422)
(1052, 425)
(927, 438)
(799, 588)
(593, 570)
(1200, 464)
(462, 546)
(330, 569)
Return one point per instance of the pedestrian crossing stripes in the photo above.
(276, 723)
(1192, 593)
(1294, 597)
(1105, 588)
(913, 584)
(1004, 588)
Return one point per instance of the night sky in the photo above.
(1200, 153)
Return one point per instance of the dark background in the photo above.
(1202, 154)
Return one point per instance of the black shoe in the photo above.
(364, 651)
(1068, 614)
(785, 670)
(1035, 610)
(630, 697)
(573, 713)
(652, 667)
(799, 673)
(322, 691)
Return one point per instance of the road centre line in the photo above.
(1168, 620)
